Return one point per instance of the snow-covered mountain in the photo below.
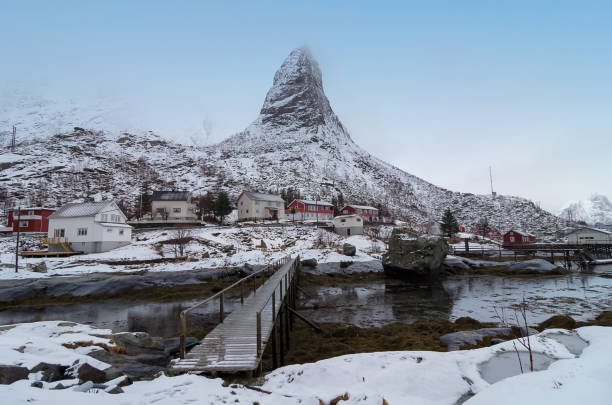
(596, 210)
(296, 141)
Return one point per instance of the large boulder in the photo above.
(10, 374)
(50, 372)
(90, 373)
(410, 255)
(349, 250)
(309, 262)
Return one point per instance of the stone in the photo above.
(59, 386)
(86, 386)
(138, 342)
(125, 382)
(39, 268)
(90, 373)
(309, 262)
(348, 249)
(36, 384)
(114, 390)
(50, 372)
(456, 340)
(558, 321)
(535, 265)
(410, 255)
(10, 374)
(263, 245)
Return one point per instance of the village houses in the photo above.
(517, 237)
(253, 206)
(303, 210)
(369, 214)
(90, 227)
(173, 205)
(588, 235)
(29, 219)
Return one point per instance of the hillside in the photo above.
(596, 210)
(296, 141)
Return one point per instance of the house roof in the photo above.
(592, 229)
(361, 207)
(30, 208)
(170, 196)
(87, 209)
(263, 197)
(312, 202)
(346, 216)
(520, 231)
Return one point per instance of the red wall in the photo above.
(301, 207)
(34, 225)
(518, 238)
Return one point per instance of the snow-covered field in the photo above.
(209, 248)
(370, 378)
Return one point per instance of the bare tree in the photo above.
(182, 236)
(519, 315)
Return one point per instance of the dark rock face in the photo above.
(349, 250)
(10, 374)
(411, 255)
(51, 372)
(90, 373)
(309, 262)
(296, 98)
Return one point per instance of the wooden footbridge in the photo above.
(238, 342)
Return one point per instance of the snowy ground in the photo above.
(210, 248)
(369, 378)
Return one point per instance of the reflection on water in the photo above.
(373, 304)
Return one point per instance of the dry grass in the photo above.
(115, 349)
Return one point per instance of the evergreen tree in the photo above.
(334, 202)
(449, 223)
(223, 206)
(340, 201)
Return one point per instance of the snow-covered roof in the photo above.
(592, 229)
(263, 197)
(311, 202)
(520, 231)
(30, 208)
(79, 209)
(115, 225)
(346, 216)
(361, 207)
(170, 196)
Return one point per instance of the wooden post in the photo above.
(221, 308)
(552, 256)
(274, 363)
(466, 241)
(242, 293)
(183, 319)
(258, 319)
(282, 340)
(18, 225)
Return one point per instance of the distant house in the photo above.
(260, 206)
(494, 234)
(173, 205)
(517, 237)
(369, 214)
(90, 227)
(31, 219)
(431, 228)
(348, 225)
(589, 235)
(310, 210)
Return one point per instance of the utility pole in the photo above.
(17, 245)
(13, 139)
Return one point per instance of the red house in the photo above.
(516, 237)
(369, 214)
(31, 219)
(310, 210)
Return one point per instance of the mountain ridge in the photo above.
(296, 141)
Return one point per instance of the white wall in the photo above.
(588, 236)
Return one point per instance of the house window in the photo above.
(176, 210)
(23, 224)
(115, 218)
(241, 202)
(512, 239)
(31, 212)
(358, 219)
(58, 233)
(82, 231)
(247, 211)
(343, 220)
(257, 211)
(109, 229)
(104, 217)
(256, 202)
(120, 231)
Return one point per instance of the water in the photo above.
(373, 304)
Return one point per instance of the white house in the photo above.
(260, 206)
(90, 227)
(588, 235)
(348, 225)
(173, 205)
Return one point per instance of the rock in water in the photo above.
(410, 255)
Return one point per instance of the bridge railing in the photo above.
(241, 283)
(283, 288)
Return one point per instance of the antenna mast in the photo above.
(491, 180)
(13, 139)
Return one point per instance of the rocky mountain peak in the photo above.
(296, 100)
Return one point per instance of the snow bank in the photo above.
(398, 377)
